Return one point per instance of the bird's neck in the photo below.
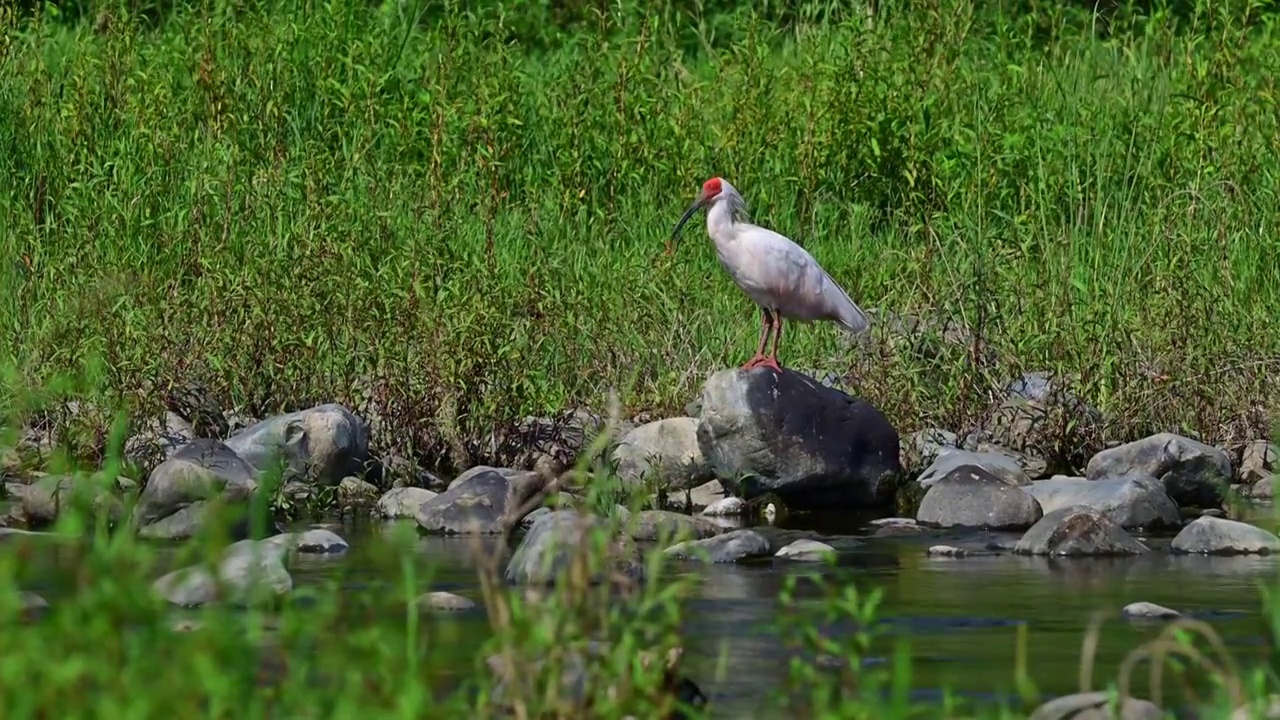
(720, 221)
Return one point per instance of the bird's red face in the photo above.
(711, 189)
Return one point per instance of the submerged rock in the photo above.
(489, 502)
(998, 464)
(1077, 531)
(653, 525)
(1096, 706)
(316, 541)
(1193, 473)
(1146, 610)
(1132, 501)
(784, 433)
(665, 452)
(561, 537)
(316, 446)
(249, 571)
(1218, 536)
(445, 601)
(970, 496)
(806, 551)
(176, 501)
(729, 547)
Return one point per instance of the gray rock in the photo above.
(1146, 610)
(1133, 501)
(198, 472)
(664, 452)
(1193, 473)
(726, 507)
(729, 547)
(813, 446)
(488, 502)
(1001, 465)
(249, 571)
(317, 446)
(1219, 536)
(706, 495)
(43, 500)
(896, 527)
(316, 541)
(528, 520)
(805, 550)
(1096, 706)
(560, 537)
(1263, 489)
(445, 601)
(31, 604)
(653, 525)
(922, 446)
(947, 551)
(1077, 531)
(356, 493)
(403, 502)
(1258, 461)
(1267, 708)
(479, 470)
(157, 441)
(970, 496)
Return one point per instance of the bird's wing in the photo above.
(795, 274)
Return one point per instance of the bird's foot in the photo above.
(761, 360)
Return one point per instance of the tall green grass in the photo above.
(459, 221)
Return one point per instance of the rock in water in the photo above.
(320, 445)
(1077, 531)
(1146, 610)
(653, 525)
(665, 452)
(1194, 474)
(1217, 536)
(814, 447)
(174, 501)
(1096, 706)
(249, 571)
(1133, 501)
(805, 550)
(1257, 461)
(403, 502)
(487, 503)
(729, 547)
(970, 496)
(560, 537)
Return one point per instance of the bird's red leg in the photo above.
(771, 361)
(765, 322)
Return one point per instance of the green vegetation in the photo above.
(460, 223)
(452, 216)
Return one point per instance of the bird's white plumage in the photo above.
(775, 272)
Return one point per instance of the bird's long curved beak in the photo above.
(675, 233)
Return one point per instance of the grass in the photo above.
(459, 223)
(450, 216)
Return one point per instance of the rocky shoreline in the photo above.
(754, 443)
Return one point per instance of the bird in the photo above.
(781, 277)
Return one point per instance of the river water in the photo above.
(960, 614)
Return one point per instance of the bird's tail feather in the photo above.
(849, 315)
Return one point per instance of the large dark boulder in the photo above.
(487, 502)
(785, 433)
